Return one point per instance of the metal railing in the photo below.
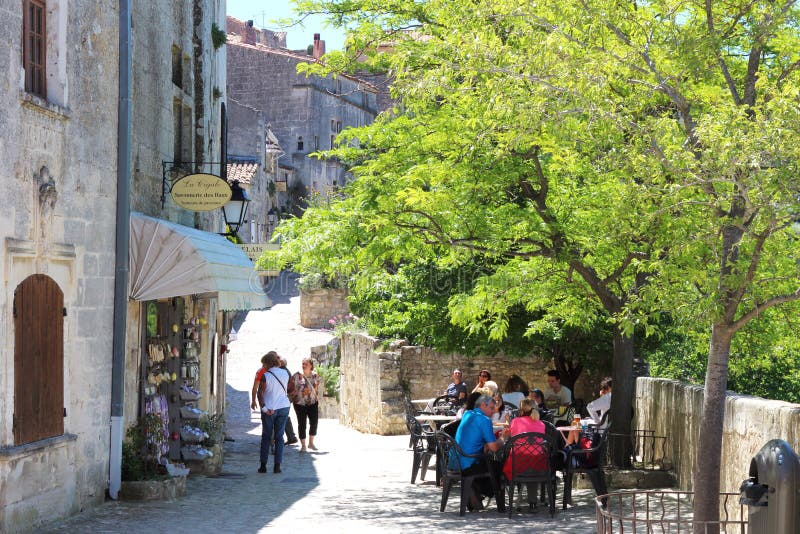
(648, 452)
(665, 512)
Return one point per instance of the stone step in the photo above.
(624, 479)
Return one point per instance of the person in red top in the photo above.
(527, 421)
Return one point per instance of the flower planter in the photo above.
(153, 490)
(317, 306)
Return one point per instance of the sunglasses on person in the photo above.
(484, 375)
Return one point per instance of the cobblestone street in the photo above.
(354, 483)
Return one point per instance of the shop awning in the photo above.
(171, 260)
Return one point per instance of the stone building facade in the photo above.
(58, 168)
(253, 153)
(306, 113)
(177, 107)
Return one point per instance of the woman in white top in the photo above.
(598, 407)
(275, 410)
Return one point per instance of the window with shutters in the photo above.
(34, 46)
(38, 360)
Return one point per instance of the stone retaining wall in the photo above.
(674, 409)
(375, 379)
(424, 371)
(370, 395)
(317, 306)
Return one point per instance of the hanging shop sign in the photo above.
(201, 192)
(254, 250)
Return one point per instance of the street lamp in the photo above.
(233, 212)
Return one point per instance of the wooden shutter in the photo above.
(34, 46)
(38, 359)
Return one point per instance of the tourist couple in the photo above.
(274, 389)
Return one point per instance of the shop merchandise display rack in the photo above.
(171, 389)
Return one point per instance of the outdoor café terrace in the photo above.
(654, 496)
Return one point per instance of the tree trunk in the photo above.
(568, 367)
(619, 443)
(706, 480)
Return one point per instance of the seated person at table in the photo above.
(500, 414)
(528, 421)
(472, 398)
(515, 390)
(555, 391)
(602, 404)
(457, 388)
(476, 436)
(451, 427)
(537, 397)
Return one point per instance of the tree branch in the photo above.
(760, 308)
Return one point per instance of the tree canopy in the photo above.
(630, 158)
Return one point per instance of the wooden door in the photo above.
(38, 360)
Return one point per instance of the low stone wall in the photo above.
(674, 409)
(317, 306)
(370, 394)
(328, 408)
(424, 372)
(153, 490)
(374, 381)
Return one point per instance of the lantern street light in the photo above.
(233, 212)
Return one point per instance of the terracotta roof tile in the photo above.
(244, 173)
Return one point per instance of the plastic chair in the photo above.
(530, 457)
(423, 445)
(451, 454)
(445, 404)
(589, 461)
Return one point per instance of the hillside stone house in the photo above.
(305, 113)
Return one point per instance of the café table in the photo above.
(424, 404)
(567, 429)
(434, 419)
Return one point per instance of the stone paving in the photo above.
(354, 483)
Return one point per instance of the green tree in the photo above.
(627, 157)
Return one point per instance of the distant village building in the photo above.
(253, 155)
(305, 113)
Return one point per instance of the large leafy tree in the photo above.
(488, 157)
(624, 156)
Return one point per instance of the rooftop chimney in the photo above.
(319, 47)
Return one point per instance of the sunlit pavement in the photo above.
(354, 483)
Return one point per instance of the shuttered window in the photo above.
(38, 360)
(34, 46)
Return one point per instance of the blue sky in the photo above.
(264, 13)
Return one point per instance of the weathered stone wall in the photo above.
(374, 381)
(318, 306)
(371, 396)
(299, 108)
(674, 409)
(425, 372)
